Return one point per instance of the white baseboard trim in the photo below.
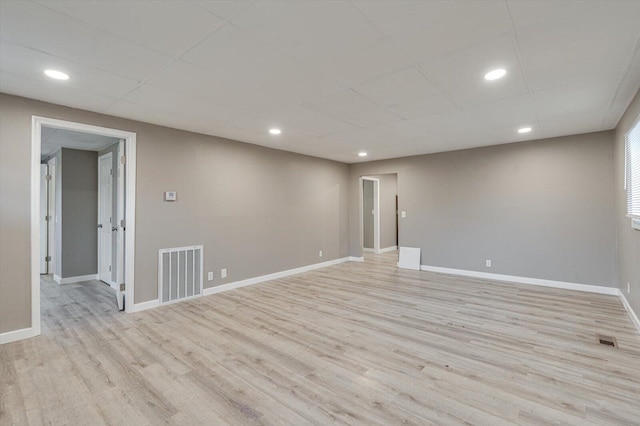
(388, 249)
(143, 306)
(524, 280)
(369, 250)
(72, 280)
(632, 314)
(13, 336)
(356, 259)
(269, 277)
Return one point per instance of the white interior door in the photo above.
(53, 220)
(44, 213)
(105, 211)
(120, 225)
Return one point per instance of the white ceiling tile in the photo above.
(461, 75)
(161, 117)
(597, 46)
(168, 99)
(256, 72)
(352, 108)
(578, 106)
(31, 64)
(406, 93)
(316, 30)
(297, 121)
(53, 139)
(509, 114)
(227, 9)
(28, 24)
(450, 131)
(429, 29)
(45, 132)
(189, 80)
(53, 91)
(372, 61)
(534, 12)
(170, 27)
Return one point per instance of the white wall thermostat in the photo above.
(170, 196)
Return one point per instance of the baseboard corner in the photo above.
(630, 311)
(15, 335)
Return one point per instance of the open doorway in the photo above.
(85, 203)
(379, 218)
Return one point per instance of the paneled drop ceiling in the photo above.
(392, 78)
(53, 139)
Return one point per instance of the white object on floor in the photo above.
(409, 258)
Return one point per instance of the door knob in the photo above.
(99, 225)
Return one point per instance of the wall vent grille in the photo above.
(180, 273)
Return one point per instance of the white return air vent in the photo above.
(179, 273)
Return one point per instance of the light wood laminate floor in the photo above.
(357, 343)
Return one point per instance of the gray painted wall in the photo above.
(256, 210)
(368, 221)
(628, 239)
(113, 149)
(540, 209)
(79, 213)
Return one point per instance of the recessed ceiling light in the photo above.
(58, 75)
(362, 154)
(524, 130)
(275, 131)
(495, 74)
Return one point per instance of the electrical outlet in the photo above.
(488, 263)
(628, 287)
(223, 273)
(320, 253)
(210, 276)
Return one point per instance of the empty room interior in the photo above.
(319, 212)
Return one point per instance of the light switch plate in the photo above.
(170, 196)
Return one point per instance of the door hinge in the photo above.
(46, 218)
(109, 268)
(111, 172)
(123, 159)
(47, 259)
(47, 177)
(122, 287)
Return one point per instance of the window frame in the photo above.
(627, 165)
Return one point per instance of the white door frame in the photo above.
(112, 223)
(376, 212)
(52, 164)
(130, 173)
(44, 218)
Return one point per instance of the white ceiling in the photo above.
(393, 78)
(53, 139)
